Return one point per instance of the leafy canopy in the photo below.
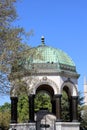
(11, 45)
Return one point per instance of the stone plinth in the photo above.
(67, 125)
(23, 126)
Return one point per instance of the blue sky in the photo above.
(63, 24)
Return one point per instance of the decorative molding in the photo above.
(46, 81)
(67, 67)
(71, 86)
(44, 78)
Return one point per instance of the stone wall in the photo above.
(67, 126)
(23, 126)
(58, 126)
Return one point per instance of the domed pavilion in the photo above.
(52, 71)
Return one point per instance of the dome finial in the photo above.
(42, 40)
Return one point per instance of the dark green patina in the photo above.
(48, 59)
(51, 58)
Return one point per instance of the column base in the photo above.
(13, 121)
(74, 120)
(67, 126)
(58, 120)
(23, 126)
(31, 121)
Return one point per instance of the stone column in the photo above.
(58, 107)
(70, 108)
(74, 108)
(53, 106)
(14, 101)
(31, 107)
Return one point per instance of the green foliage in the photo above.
(23, 108)
(65, 107)
(83, 117)
(82, 112)
(42, 100)
(5, 107)
(5, 116)
(11, 46)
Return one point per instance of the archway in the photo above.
(45, 117)
(48, 92)
(66, 105)
(71, 96)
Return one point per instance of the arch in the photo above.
(47, 82)
(47, 89)
(71, 86)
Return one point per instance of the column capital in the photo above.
(31, 95)
(57, 95)
(75, 97)
(14, 98)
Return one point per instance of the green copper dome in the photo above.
(52, 55)
(45, 60)
(51, 58)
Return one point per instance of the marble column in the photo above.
(14, 101)
(31, 107)
(53, 106)
(74, 108)
(70, 108)
(58, 107)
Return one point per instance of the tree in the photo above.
(11, 45)
(83, 117)
(23, 109)
(5, 116)
(42, 100)
(65, 105)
